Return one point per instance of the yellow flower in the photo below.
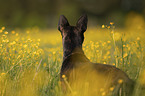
(104, 62)
(13, 32)
(6, 32)
(108, 27)
(125, 55)
(120, 59)
(3, 73)
(104, 93)
(7, 40)
(38, 40)
(25, 46)
(112, 88)
(17, 34)
(13, 63)
(1, 31)
(17, 39)
(124, 45)
(36, 46)
(138, 38)
(63, 76)
(111, 23)
(4, 35)
(112, 32)
(108, 41)
(3, 28)
(120, 81)
(34, 52)
(113, 64)
(37, 62)
(103, 26)
(53, 52)
(3, 41)
(108, 52)
(14, 42)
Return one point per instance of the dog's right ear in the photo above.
(63, 22)
(82, 23)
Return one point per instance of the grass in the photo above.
(30, 60)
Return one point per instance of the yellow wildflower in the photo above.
(13, 32)
(3, 73)
(111, 23)
(125, 55)
(109, 56)
(112, 88)
(3, 35)
(104, 93)
(124, 45)
(17, 39)
(63, 76)
(138, 38)
(120, 81)
(1, 31)
(38, 40)
(34, 52)
(108, 41)
(14, 42)
(5, 32)
(104, 62)
(113, 64)
(120, 59)
(112, 32)
(17, 34)
(3, 41)
(53, 52)
(103, 26)
(108, 27)
(25, 46)
(3, 28)
(108, 52)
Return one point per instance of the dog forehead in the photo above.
(71, 29)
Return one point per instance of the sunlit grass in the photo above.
(30, 59)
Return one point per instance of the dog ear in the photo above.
(63, 22)
(82, 23)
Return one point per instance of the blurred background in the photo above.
(45, 13)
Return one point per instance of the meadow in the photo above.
(30, 59)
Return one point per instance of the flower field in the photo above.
(30, 59)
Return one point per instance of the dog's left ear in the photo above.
(63, 22)
(82, 23)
